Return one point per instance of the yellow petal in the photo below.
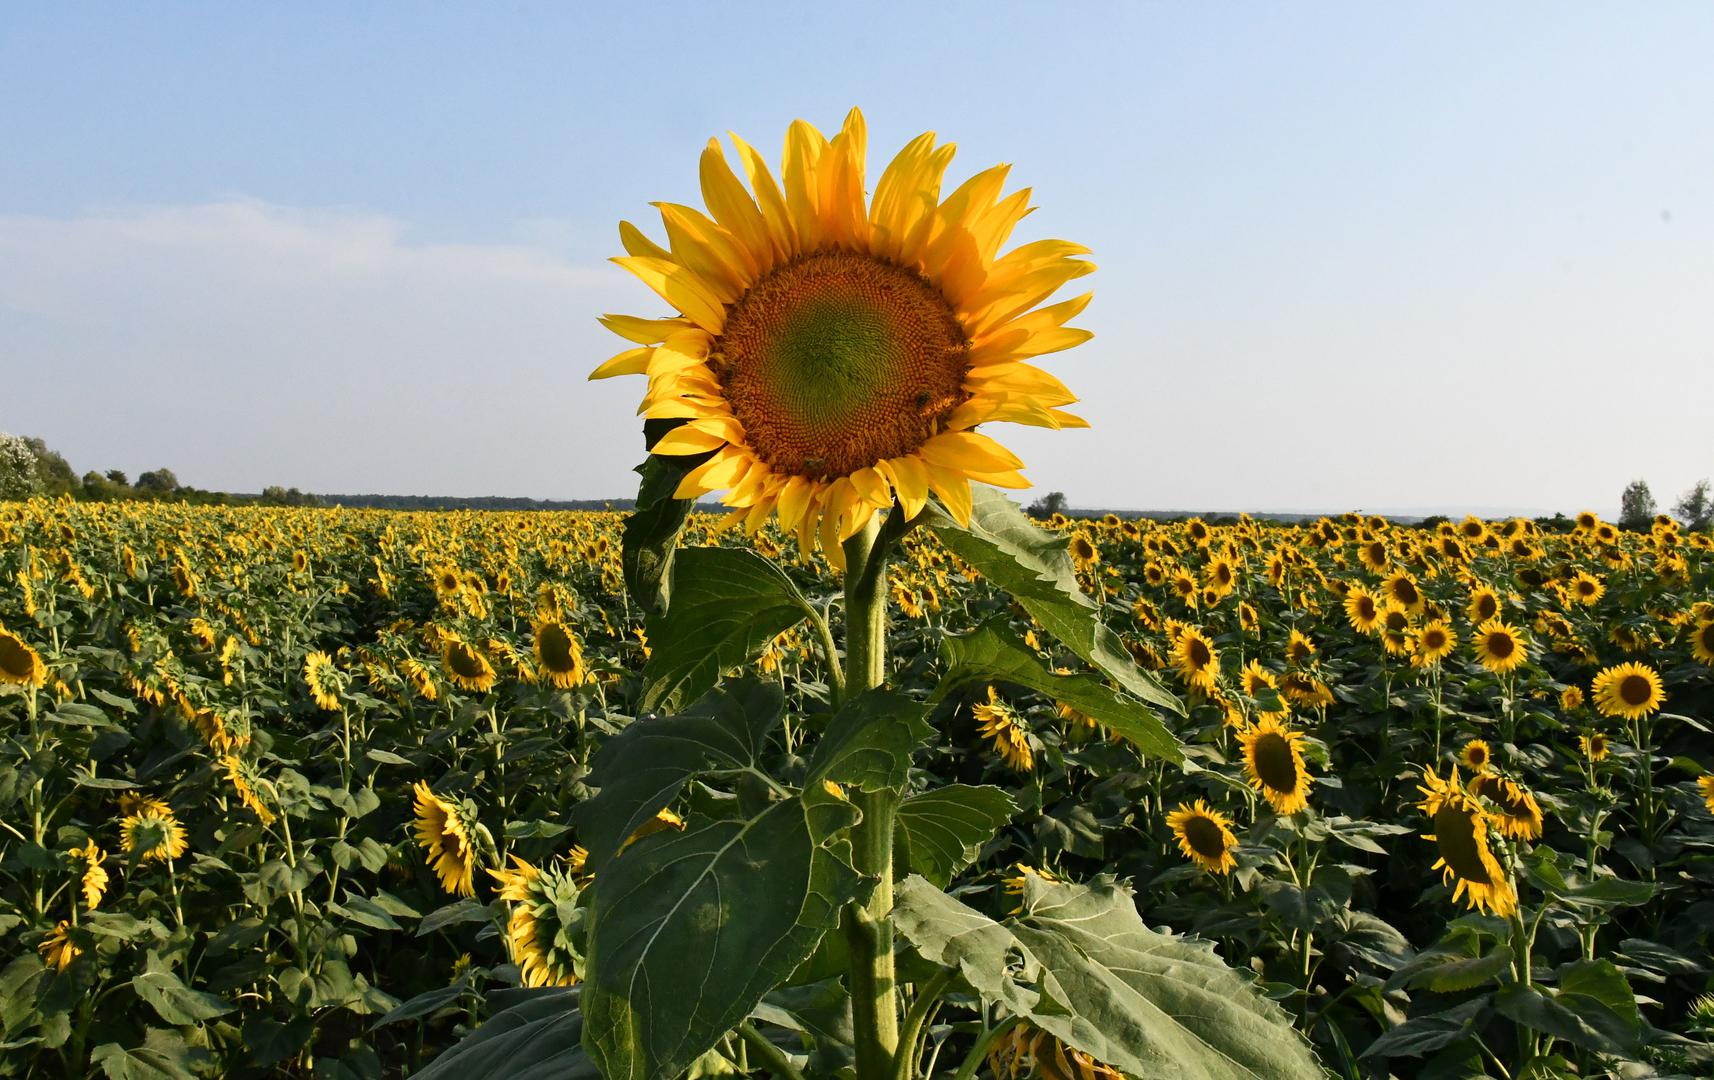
(638, 245)
(968, 451)
(770, 200)
(954, 492)
(643, 331)
(910, 480)
(687, 439)
(629, 362)
(733, 208)
(706, 249)
(680, 288)
(794, 501)
(872, 486)
(804, 147)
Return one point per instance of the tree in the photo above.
(117, 476)
(163, 482)
(1636, 507)
(1696, 508)
(54, 472)
(18, 478)
(1048, 505)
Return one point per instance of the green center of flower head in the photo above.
(1455, 834)
(837, 360)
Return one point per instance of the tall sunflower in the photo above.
(537, 930)
(1197, 661)
(1499, 647)
(1466, 860)
(465, 666)
(1594, 746)
(829, 356)
(1204, 836)
(1627, 691)
(1274, 765)
(152, 831)
(1434, 643)
(19, 663)
(448, 833)
(558, 654)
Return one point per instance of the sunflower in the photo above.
(1084, 553)
(1705, 784)
(320, 677)
(1028, 1051)
(1396, 633)
(1194, 656)
(1204, 836)
(467, 668)
(1594, 746)
(94, 883)
(828, 357)
(1434, 643)
(150, 830)
(1375, 555)
(1702, 641)
(1627, 691)
(1000, 726)
(537, 931)
(1013, 884)
(1477, 755)
(1461, 834)
(1299, 649)
(57, 949)
(558, 654)
(1519, 816)
(1484, 604)
(1571, 698)
(1586, 588)
(1499, 647)
(1401, 589)
(448, 833)
(245, 781)
(19, 664)
(663, 820)
(1274, 765)
(1362, 610)
(1303, 689)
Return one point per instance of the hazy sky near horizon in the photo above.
(1352, 255)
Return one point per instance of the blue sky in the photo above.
(1353, 255)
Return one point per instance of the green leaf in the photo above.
(1031, 564)
(690, 929)
(642, 769)
(869, 742)
(651, 531)
(1079, 963)
(992, 653)
(424, 1004)
(940, 832)
(361, 909)
(386, 757)
(459, 911)
(1429, 1031)
(163, 1056)
(1592, 1007)
(727, 604)
(536, 1039)
(175, 1002)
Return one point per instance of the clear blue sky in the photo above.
(1353, 255)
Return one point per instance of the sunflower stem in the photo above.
(772, 1057)
(868, 926)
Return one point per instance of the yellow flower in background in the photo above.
(1362, 610)
(1499, 647)
(244, 781)
(1434, 643)
(19, 663)
(1519, 816)
(1274, 765)
(1585, 588)
(1594, 746)
(1476, 755)
(94, 879)
(1084, 553)
(1194, 656)
(1484, 605)
(831, 356)
(1204, 836)
(57, 949)
(447, 833)
(535, 934)
(1702, 642)
(998, 725)
(1466, 860)
(1571, 698)
(322, 680)
(1026, 1051)
(1705, 784)
(558, 654)
(152, 831)
(465, 667)
(663, 820)
(1627, 691)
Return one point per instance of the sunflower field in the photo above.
(291, 793)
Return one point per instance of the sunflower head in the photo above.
(1594, 746)
(829, 354)
(544, 924)
(558, 654)
(1434, 643)
(1274, 765)
(1702, 641)
(999, 725)
(465, 666)
(323, 680)
(1477, 756)
(1499, 647)
(1466, 860)
(57, 948)
(1627, 691)
(451, 837)
(1026, 1051)
(94, 881)
(1204, 836)
(1518, 814)
(1362, 610)
(152, 832)
(1196, 659)
(19, 663)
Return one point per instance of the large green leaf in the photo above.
(1033, 566)
(536, 1039)
(690, 930)
(651, 531)
(991, 653)
(1078, 962)
(177, 1003)
(869, 742)
(643, 768)
(1592, 1007)
(938, 833)
(727, 603)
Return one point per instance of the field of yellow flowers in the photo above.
(291, 792)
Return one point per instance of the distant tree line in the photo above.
(28, 466)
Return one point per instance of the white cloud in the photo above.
(243, 344)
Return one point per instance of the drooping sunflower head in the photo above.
(1499, 647)
(829, 355)
(558, 654)
(465, 666)
(1273, 763)
(999, 725)
(323, 680)
(449, 834)
(1477, 755)
(1594, 746)
(1204, 836)
(1627, 691)
(248, 784)
(57, 948)
(1299, 648)
(19, 663)
(1027, 1051)
(1461, 833)
(152, 832)
(1519, 815)
(94, 880)
(543, 922)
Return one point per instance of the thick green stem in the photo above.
(868, 926)
(772, 1057)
